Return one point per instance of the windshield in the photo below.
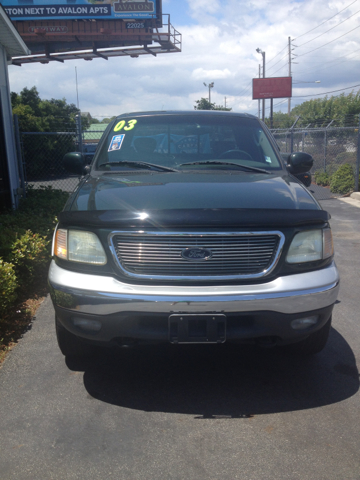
(186, 142)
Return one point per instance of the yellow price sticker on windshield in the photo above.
(122, 125)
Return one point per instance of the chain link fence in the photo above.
(42, 152)
(42, 155)
(329, 147)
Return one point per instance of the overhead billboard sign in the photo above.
(28, 10)
(275, 87)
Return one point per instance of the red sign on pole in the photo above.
(275, 87)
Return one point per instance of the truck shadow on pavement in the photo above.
(226, 381)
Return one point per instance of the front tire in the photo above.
(69, 344)
(314, 343)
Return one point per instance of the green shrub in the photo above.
(30, 255)
(342, 181)
(331, 168)
(322, 178)
(7, 238)
(25, 242)
(8, 286)
(37, 212)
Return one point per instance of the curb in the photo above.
(355, 195)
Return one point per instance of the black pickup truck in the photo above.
(188, 227)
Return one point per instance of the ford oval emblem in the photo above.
(196, 254)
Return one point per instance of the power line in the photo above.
(347, 33)
(321, 34)
(325, 93)
(328, 66)
(277, 55)
(324, 21)
(304, 96)
(245, 90)
(279, 69)
(277, 62)
(334, 59)
(277, 104)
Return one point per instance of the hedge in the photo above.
(25, 243)
(342, 180)
(8, 282)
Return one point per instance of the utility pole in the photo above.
(77, 91)
(210, 86)
(357, 168)
(259, 98)
(263, 102)
(289, 47)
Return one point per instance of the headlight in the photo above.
(310, 246)
(79, 246)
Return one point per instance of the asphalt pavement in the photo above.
(189, 413)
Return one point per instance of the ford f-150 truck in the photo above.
(189, 227)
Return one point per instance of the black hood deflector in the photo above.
(194, 218)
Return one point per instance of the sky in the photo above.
(219, 42)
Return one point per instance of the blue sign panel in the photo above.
(79, 9)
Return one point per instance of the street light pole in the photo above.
(263, 102)
(210, 86)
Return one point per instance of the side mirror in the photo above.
(299, 162)
(74, 162)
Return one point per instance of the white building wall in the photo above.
(6, 112)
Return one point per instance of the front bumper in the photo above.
(141, 312)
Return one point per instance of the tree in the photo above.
(204, 104)
(35, 115)
(26, 106)
(108, 120)
(342, 110)
(222, 108)
(281, 120)
(319, 112)
(29, 97)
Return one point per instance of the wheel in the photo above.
(236, 154)
(69, 344)
(314, 343)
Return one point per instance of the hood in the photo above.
(193, 200)
(192, 190)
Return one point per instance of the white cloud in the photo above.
(202, 74)
(201, 8)
(219, 45)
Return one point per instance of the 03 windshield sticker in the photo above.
(126, 125)
(116, 142)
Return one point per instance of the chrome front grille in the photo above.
(161, 254)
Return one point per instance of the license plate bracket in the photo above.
(197, 328)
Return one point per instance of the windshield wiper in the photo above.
(218, 162)
(149, 166)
